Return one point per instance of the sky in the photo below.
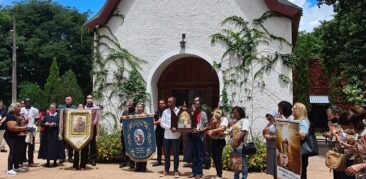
(312, 14)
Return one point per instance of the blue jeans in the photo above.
(244, 171)
(197, 154)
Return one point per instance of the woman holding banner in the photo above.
(140, 166)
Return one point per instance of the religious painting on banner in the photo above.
(76, 127)
(288, 149)
(184, 121)
(139, 137)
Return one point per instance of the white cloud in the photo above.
(313, 14)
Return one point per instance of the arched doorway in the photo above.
(187, 78)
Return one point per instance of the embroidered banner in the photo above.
(139, 136)
(77, 127)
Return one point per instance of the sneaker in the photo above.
(176, 174)
(157, 164)
(165, 173)
(19, 170)
(11, 172)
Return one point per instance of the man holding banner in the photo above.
(95, 117)
(171, 136)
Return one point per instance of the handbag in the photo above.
(309, 146)
(236, 161)
(250, 148)
(335, 161)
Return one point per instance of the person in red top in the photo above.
(199, 127)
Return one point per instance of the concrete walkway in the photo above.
(316, 170)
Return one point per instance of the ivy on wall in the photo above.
(243, 65)
(117, 76)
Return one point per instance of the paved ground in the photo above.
(316, 170)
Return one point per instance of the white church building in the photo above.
(152, 30)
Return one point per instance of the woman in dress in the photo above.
(15, 139)
(269, 133)
(53, 147)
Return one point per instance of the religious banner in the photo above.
(139, 137)
(184, 122)
(77, 127)
(288, 149)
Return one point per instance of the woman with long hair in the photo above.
(300, 113)
(218, 125)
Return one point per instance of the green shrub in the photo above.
(109, 147)
(226, 162)
(257, 162)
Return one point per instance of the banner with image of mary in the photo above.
(139, 137)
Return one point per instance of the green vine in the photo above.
(242, 64)
(116, 76)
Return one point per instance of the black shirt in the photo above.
(3, 113)
(8, 133)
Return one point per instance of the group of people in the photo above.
(21, 122)
(168, 137)
(347, 136)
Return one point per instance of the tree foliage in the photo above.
(343, 52)
(69, 86)
(35, 93)
(308, 46)
(46, 30)
(52, 86)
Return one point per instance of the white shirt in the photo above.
(166, 124)
(32, 113)
(244, 125)
(223, 123)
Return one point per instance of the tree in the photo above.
(35, 93)
(344, 48)
(69, 86)
(308, 46)
(52, 86)
(46, 30)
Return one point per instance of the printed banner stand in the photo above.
(288, 149)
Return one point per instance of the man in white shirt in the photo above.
(171, 136)
(32, 115)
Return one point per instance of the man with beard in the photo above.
(159, 131)
(129, 111)
(95, 117)
(68, 105)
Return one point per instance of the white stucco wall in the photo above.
(152, 31)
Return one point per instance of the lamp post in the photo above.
(14, 65)
(183, 43)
